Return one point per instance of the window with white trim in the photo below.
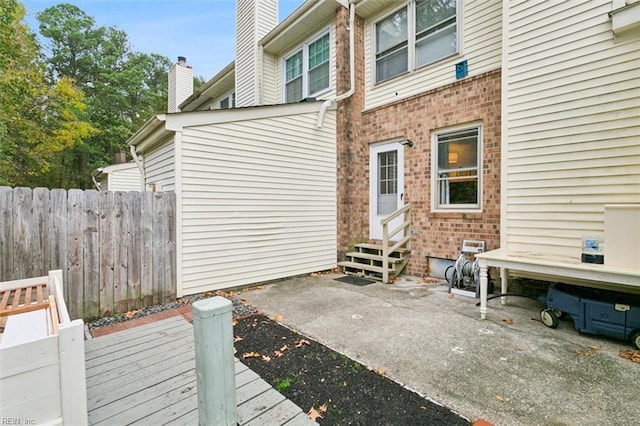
(422, 32)
(307, 71)
(228, 101)
(457, 183)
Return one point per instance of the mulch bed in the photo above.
(329, 386)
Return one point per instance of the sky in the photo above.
(201, 30)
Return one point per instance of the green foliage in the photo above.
(39, 117)
(284, 384)
(123, 88)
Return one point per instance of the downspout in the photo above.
(352, 67)
(135, 157)
(95, 182)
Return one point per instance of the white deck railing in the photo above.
(404, 242)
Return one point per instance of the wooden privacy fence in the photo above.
(117, 250)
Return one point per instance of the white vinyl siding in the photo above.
(269, 80)
(254, 19)
(258, 200)
(160, 167)
(479, 42)
(570, 141)
(127, 179)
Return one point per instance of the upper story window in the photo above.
(307, 71)
(228, 101)
(420, 33)
(457, 169)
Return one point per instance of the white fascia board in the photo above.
(178, 121)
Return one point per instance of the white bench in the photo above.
(549, 267)
(42, 374)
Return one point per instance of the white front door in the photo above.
(386, 187)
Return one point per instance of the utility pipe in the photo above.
(352, 67)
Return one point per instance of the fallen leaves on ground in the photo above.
(250, 355)
(300, 343)
(501, 399)
(266, 358)
(237, 339)
(378, 371)
(631, 354)
(227, 294)
(594, 348)
(279, 353)
(130, 314)
(584, 353)
(508, 321)
(315, 414)
(277, 318)
(451, 296)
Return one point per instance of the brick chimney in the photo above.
(180, 83)
(254, 19)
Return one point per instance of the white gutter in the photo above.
(352, 66)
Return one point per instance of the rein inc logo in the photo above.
(16, 421)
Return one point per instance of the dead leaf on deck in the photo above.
(300, 343)
(250, 355)
(507, 321)
(315, 414)
(277, 318)
(501, 399)
(630, 354)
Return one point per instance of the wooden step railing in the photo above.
(387, 234)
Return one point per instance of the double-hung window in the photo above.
(229, 101)
(422, 32)
(457, 169)
(307, 71)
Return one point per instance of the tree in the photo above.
(39, 117)
(122, 88)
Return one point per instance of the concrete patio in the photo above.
(509, 369)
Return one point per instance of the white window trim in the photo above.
(411, 42)
(455, 208)
(305, 65)
(228, 95)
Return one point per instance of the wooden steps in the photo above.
(368, 261)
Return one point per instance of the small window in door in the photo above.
(387, 182)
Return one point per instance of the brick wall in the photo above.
(473, 99)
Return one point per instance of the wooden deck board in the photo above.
(127, 365)
(146, 375)
(131, 345)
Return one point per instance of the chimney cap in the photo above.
(182, 60)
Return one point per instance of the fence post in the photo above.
(215, 370)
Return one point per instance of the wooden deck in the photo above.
(146, 376)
